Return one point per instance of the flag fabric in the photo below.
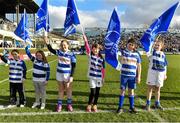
(72, 18)
(112, 39)
(42, 18)
(22, 29)
(160, 25)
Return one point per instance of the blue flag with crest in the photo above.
(42, 18)
(22, 29)
(112, 39)
(72, 18)
(160, 25)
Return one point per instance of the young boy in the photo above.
(17, 74)
(130, 74)
(156, 74)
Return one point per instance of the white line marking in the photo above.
(27, 71)
(66, 112)
(155, 114)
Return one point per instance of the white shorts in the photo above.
(62, 77)
(155, 78)
(93, 83)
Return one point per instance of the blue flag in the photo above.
(72, 18)
(160, 25)
(112, 39)
(22, 29)
(42, 18)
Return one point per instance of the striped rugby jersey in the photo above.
(96, 64)
(64, 61)
(158, 61)
(17, 70)
(41, 70)
(129, 61)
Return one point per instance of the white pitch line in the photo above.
(66, 112)
(155, 114)
(27, 71)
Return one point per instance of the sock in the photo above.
(121, 101)
(148, 102)
(131, 101)
(59, 102)
(69, 101)
(157, 103)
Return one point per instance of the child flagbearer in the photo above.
(95, 74)
(65, 70)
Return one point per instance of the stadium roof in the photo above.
(9, 6)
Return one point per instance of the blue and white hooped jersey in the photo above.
(40, 71)
(64, 61)
(129, 61)
(96, 64)
(16, 68)
(158, 61)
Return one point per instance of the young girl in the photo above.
(17, 75)
(156, 74)
(64, 74)
(41, 72)
(130, 74)
(95, 74)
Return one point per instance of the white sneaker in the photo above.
(42, 106)
(22, 106)
(35, 105)
(11, 106)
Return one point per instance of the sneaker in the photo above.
(148, 108)
(69, 107)
(22, 106)
(158, 107)
(42, 106)
(133, 110)
(11, 106)
(94, 108)
(35, 105)
(59, 108)
(119, 110)
(88, 109)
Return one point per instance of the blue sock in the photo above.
(157, 103)
(121, 101)
(69, 101)
(59, 102)
(131, 101)
(148, 102)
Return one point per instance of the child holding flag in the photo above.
(41, 73)
(156, 74)
(65, 70)
(17, 75)
(130, 74)
(95, 74)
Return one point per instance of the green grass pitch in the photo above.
(107, 103)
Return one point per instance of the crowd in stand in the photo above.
(172, 40)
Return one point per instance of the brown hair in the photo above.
(132, 40)
(43, 56)
(98, 47)
(64, 41)
(161, 40)
(15, 50)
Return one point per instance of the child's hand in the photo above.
(165, 77)
(46, 40)
(23, 80)
(71, 79)
(102, 81)
(45, 82)
(138, 80)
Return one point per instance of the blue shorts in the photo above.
(131, 81)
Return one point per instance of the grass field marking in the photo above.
(27, 71)
(155, 114)
(74, 112)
